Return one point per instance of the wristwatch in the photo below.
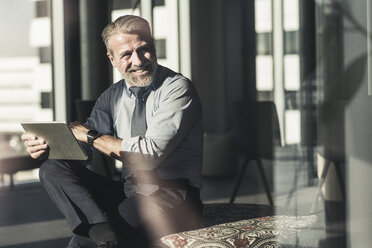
(91, 136)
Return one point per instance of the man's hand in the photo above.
(79, 130)
(36, 147)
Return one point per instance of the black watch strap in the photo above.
(91, 136)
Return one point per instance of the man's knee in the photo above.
(51, 169)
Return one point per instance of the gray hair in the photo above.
(128, 24)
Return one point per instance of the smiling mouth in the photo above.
(142, 69)
(139, 71)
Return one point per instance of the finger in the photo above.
(34, 149)
(28, 136)
(24, 136)
(38, 142)
(36, 155)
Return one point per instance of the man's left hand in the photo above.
(79, 130)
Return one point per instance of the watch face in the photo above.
(93, 133)
(91, 136)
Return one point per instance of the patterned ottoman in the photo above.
(268, 232)
(242, 226)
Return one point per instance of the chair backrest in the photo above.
(256, 129)
(83, 109)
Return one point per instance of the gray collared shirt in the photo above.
(173, 144)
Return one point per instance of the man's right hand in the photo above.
(36, 147)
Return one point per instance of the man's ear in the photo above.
(112, 59)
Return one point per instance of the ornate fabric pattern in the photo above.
(266, 232)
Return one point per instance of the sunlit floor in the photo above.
(29, 219)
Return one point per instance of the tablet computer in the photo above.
(60, 139)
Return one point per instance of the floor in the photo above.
(29, 219)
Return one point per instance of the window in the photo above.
(25, 70)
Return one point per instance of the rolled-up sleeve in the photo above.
(175, 112)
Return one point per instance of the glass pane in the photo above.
(26, 92)
(161, 48)
(263, 16)
(292, 72)
(165, 24)
(291, 15)
(264, 43)
(264, 72)
(291, 42)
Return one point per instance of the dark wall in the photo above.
(72, 57)
(88, 70)
(217, 61)
(95, 66)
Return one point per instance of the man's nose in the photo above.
(135, 59)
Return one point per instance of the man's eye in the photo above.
(126, 55)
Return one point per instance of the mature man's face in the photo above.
(133, 57)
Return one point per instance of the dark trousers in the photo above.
(86, 198)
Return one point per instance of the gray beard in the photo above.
(141, 83)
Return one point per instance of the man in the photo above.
(152, 121)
